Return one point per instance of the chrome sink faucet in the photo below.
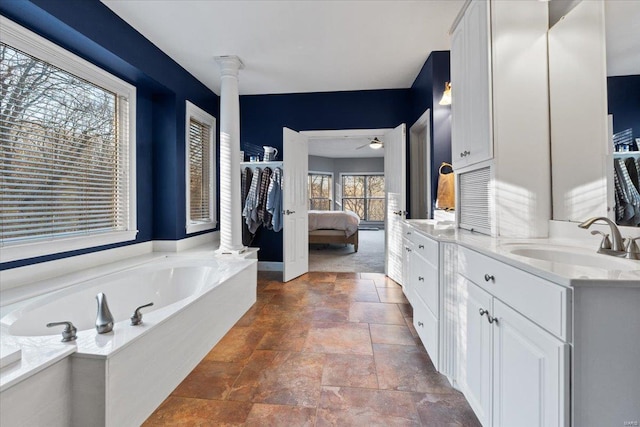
(616, 246)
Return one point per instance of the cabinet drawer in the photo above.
(427, 327)
(425, 283)
(426, 248)
(543, 302)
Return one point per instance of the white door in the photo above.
(395, 188)
(476, 364)
(295, 253)
(530, 367)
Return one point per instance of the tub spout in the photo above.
(104, 318)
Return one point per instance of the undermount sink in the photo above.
(573, 256)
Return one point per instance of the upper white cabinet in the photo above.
(500, 113)
(470, 77)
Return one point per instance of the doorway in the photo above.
(347, 173)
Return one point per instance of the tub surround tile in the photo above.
(349, 370)
(357, 406)
(180, 411)
(282, 378)
(368, 312)
(263, 415)
(336, 337)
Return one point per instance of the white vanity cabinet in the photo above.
(513, 361)
(421, 288)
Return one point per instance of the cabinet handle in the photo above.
(408, 249)
(420, 246)
(492, 319)
(483, 312)
(489, 278)
(420, 324)
(420, 279)
(408, 232)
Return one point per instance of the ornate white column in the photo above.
(230, 213)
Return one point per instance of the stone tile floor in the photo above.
(326, 349)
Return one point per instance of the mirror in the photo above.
(594, 70)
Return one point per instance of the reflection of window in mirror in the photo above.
(623, 101)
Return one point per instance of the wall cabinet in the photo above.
(513, 371)
(471, 107)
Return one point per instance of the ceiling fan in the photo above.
(375, 144)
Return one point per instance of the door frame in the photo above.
(422, 177)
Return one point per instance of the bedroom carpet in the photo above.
(341, 258)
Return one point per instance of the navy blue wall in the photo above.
(426, 92)
(624, 103)
(89, 29)
(264, 116)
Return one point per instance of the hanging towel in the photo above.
(631, 165)
(245, 185)
(264, 217)
(274, 200)
(250, 211)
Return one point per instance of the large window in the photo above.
(364, 195)
(320, 184)
(67, 150)
(200, 174)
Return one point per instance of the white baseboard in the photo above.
(269, 266)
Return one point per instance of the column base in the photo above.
(238, 251)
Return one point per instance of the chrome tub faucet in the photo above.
(104, 318)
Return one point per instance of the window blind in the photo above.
(64, 148)
(199, 172)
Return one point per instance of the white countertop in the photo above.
(557, 272)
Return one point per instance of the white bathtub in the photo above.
(119, 378)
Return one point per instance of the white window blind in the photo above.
(64, 158)
(200, 169)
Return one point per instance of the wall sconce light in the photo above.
(446, 95)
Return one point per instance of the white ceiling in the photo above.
(622, 23)
(345, 143)
(297, 46)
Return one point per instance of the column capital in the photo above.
(229, 65)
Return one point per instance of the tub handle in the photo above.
(69, 332)
(136, 319)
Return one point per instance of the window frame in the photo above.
(331, 198)
(32, 44)
(364, 174)
(198, 114)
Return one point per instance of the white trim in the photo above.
(423, 123)
(41, 48)
(270, 266)
(186, 243)
(332, 134)
(197, 113)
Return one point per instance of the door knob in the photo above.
(288, 212)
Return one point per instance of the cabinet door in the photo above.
(475, 350)
(530, 370)
(458, 81)
(426, 325)
(407, 285)
(477, 87)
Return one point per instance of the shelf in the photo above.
(277, 163)
(626, 154)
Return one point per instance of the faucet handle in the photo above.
(136, 319)
(606, 243)
(69, 332)
(632, 251)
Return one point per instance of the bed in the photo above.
(340, 227)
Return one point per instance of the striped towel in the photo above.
(250, 211)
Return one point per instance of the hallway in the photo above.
(324, 349)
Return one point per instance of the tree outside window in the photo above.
(364, 195)
(320, 185)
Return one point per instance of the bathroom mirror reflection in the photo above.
(594, 83)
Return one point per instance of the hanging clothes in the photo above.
(245, 185)
(264, 217)
(274, 200)
(629, 197)
(250, 211)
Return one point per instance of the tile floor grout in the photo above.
(317, 377)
